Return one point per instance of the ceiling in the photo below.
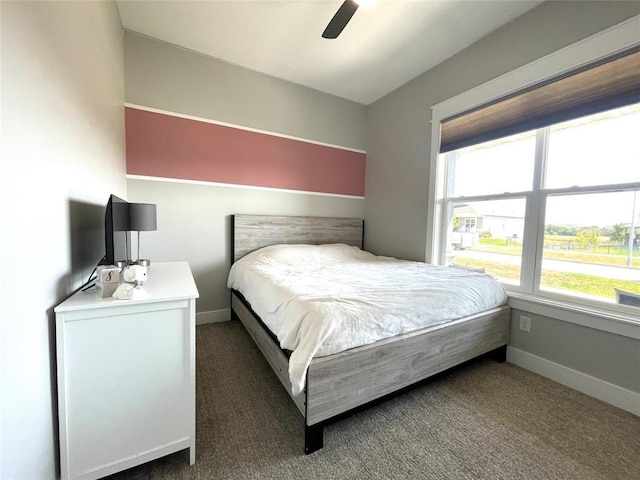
(385, 44)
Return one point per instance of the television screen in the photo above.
(116, 231)
(86, 227)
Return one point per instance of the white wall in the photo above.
(193, 220)
(62, 154)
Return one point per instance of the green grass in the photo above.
(619, 260)
(597, 258)
(574, 282)
(500, 242)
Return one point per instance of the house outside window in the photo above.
(469, 224)
(557, 211)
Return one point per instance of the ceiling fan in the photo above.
(341, 18)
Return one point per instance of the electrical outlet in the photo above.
(525, 323)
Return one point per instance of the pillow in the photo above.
(627, 298)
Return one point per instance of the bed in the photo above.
(336, 384)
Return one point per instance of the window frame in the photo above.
(623, 320)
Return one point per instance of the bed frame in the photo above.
(340, 384)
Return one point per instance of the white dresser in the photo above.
(126, 375)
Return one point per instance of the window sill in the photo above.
(598, 318)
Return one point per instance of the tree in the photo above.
(605, 232)
(619, 233)
(587, 236)
(563, 230)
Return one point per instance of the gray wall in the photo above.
(169, 78)
(194, 225)
(398, 155)
(603, 355)
(63, 153)
(193, 220)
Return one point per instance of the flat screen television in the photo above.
(117, 237)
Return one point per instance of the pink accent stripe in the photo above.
(172, 147)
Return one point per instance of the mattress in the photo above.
(323, 299)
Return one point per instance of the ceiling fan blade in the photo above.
(340, 19)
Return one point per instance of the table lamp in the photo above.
(142, 218)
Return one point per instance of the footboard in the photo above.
(344, 381)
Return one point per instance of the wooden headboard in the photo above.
(251, 232)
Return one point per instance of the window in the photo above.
(540, 99)
(553, 211)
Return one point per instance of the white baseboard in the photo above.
(213, 316)
(592, 386)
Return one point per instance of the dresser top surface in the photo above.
(165, 282)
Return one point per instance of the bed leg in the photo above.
(499, 354)
(313, 438)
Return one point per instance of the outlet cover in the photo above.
(525, 323)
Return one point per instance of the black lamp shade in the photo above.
(142, 217)
(120, 216)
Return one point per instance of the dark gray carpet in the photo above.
(484, 421)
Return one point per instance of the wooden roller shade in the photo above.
(611, 83)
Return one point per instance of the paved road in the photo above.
(620, 273)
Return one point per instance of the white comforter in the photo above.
(323, 299)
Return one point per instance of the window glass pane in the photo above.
(504, 165)
(487, 235)
(587, 251)
(600, 149)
